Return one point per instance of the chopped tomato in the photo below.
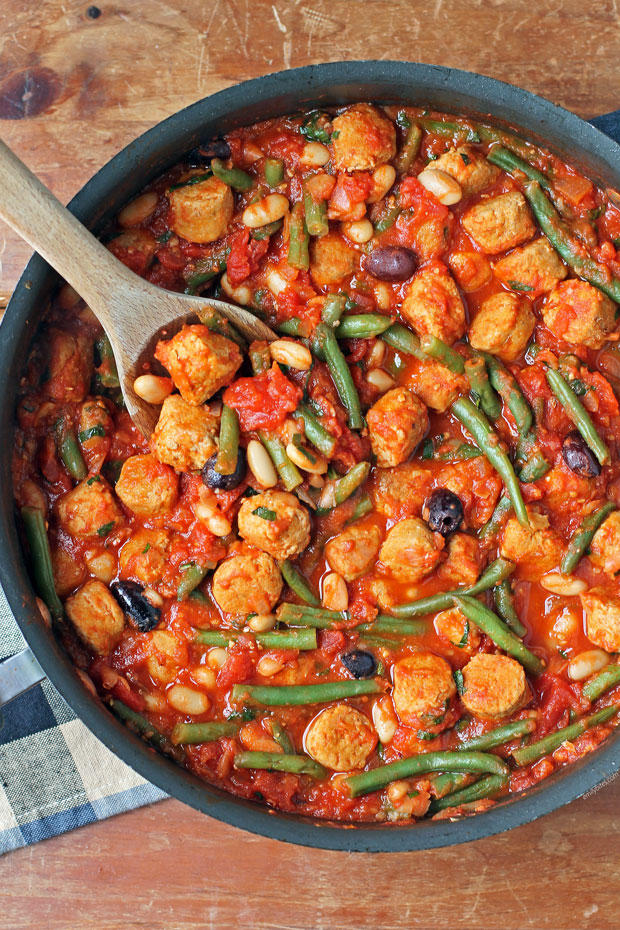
(238, 668)
(238, 261)
(262, 402)
(349, 192)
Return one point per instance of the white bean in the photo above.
(290, 353)
(138, 210)
(241, 294)
(335, 595)
(153, 597)
(383, 295)
(376, 354)
(276, 282)
(383, 178)
(152, 388)
(268, 666)
(271, 208)
(441, 185)
(359, 231)
(380, 380)
(311, 462)
(187, 700)
(261, 465)
(384, 719)
(219, 525)
(397, 790)
(217, 657)
(101, 564)
(262, 623)
(315, 155)
(204, 676)
(587, 663)
(567, 585)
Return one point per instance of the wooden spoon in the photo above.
(131, 310)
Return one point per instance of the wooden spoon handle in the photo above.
(39, 218)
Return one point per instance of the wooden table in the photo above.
(73, 91)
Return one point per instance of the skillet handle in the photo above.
(609, 123)
(18, 674)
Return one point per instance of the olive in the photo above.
(443, 512)
(213, 479)
(130, 597)
(579, 457)
(391, 263)
(360, 663)
(203, 154)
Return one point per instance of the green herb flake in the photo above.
(458, 681)
(146, 548)
(424, 734)
(311, 129)
(381, 750)
(466, 158)
(403, 121)
(578, 387)
(465, 636)
(265, 513)
(95, 479)
(105, 529)
(518, 286)
(87, 434)
(428, 449)
(412, 794)
(250, 492)
(165, 236)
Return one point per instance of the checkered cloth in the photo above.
(54, 774)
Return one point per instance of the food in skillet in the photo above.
(367, 572)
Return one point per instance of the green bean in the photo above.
(508, 389)
(297, 695)
(108, 372)
(488, 441)
(274, 171)
(333, 308)
(325, 345)
(260, 357)
(281, 736)
(280, 762)
(496, 630)
(71, 455)
(193, 574)
(448, 782)
(508, 139)
(578, 414)
(457, 451)
(494, 574)
(378, 778)
(441, 127)
(494, 523)
(362, 326)
(510, 162)
(201, 732)
(500, 735)
(534, 464)
(582, 537)
(217, 323)
(228, 450)
(350, 482)
(263, 232)
(608, 678)
(441, 352)
(234, 177)
(289, 473)
(138, 723)
(504, 604)
(273, 639)
(298, 255)
(488, 787)
(476, 372)
(41, 559)
(548, 744)
(316, 215)
(410, 149)
(363, 506)
(385, 624)
(571, 249)
(298, 583)
(314, 430)
(304, 615)
(294, 327)
(403, 340)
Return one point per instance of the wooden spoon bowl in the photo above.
(132, 311)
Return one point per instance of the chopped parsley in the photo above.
(313, 130)
(466, 158)
(94, 479)
(578, 387)
(428, 449)
(250, 492)
(465, 636)
(265, 513)
(105, 529)
(165, 236)
(87, 434)
(518, 286)
(403, 121)
(424, 734)
(146, 548)
(458, 681)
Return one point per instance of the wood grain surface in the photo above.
(73, 91)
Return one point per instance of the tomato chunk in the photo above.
(262, 402)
